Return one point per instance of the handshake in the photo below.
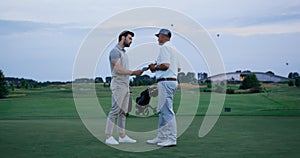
(140, 72)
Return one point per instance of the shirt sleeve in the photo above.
(164, 56)
(114, 55)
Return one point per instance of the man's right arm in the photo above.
(115, 61)
(118, 69)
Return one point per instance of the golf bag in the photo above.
(142, 102)
(144, 98)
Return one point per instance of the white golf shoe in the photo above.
(111, 141)
(154, 141)
(126, 139)
(167, 143)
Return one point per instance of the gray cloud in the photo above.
(275, 16)
(8, 27)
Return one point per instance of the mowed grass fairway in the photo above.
(44, 123)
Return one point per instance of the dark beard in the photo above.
(126, 44)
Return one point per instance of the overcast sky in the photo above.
(39, 39)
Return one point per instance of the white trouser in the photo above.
(167, 128)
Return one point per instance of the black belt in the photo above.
(166, 79)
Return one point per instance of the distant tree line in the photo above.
(245, 71)
(144, 80)
(11, 83)
(190, 77)
(21, 83)
(250, 81)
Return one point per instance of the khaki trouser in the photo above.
(120, 99)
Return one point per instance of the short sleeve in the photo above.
(114, 55)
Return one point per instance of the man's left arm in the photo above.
(165, 58)
(161, 67)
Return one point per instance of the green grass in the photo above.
(45, 123)
(233, 136)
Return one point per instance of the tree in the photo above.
(190, 77)
(3, 88)
(181, 77)
(297, 82)
(290, 75)
(293, 75)
(209, 83)
(12, 87)
(250, 81)
(296, 75)
(24, 84)
(291, 83)
(202, 76)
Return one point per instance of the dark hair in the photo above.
(125, 33)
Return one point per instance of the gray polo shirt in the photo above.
(115, 55)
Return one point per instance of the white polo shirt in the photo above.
(168, 55)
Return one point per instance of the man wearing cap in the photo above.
(120, 89)
(166, 70)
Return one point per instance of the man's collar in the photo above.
(122, 49)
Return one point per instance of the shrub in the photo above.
(250, 81)
(254, 90)
(229, 91)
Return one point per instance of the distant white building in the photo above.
(239, 76)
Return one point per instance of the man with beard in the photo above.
(120, 89)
